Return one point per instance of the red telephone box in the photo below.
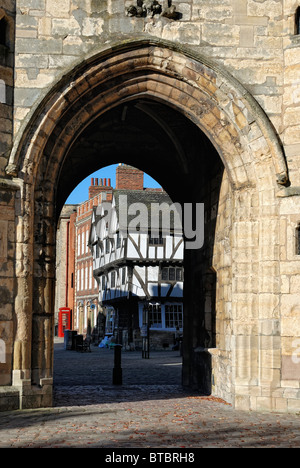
(64, 320)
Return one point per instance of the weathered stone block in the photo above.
(9, 398)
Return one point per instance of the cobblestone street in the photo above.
(150, 410)
(95, 368)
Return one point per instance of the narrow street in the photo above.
(150, 410)
(95, 368)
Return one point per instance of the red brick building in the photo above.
(86, 316)
(65, 260)
(76, 287)
(129, 178)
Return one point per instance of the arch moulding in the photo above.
(184, 79)
(142, 68)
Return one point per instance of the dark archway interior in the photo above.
(169, 147)
(148, 135)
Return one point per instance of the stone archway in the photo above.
(245, 235)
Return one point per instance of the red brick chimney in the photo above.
(99, 185)
(129, 178)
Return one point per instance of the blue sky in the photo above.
(81, 192)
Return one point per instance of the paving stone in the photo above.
(139, 416)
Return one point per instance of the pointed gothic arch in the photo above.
(186, 82)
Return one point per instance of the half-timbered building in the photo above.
(138, 248)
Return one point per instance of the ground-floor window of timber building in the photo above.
(168, 316)
(174, 316)
(172, 274)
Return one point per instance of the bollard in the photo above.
(117, 372)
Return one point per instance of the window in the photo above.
(297, 21)
(155, 318)
(87, 240)
(118, 240)
(86, 278)
(78, 279)
(91, 277)
(82, 278)
(107, 246)
(113, 279)
(156, 240)
(298, 240)
(123, 275)
(165, 274)
(78, 245)
(174, 316)
(3, 32)
(103, 283)
(110, 322)
(82, 242)
(172, 274)
(179, 274)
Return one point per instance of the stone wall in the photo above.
(219, 56)
(7, 272)
(7, 15)
(129, 178)
(8, 193)
(253, 40)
